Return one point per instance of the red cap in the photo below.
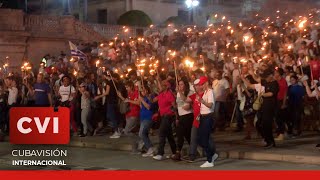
(203, 79)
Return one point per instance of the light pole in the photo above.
(192, 4)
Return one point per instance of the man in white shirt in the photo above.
(13, 92)
(206, 122)
(67, 92)
(221, 89)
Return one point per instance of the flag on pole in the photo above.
(76, 52)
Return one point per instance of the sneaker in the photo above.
(149, 153)
(207, 164)
(215, 157)
(158, 157)
(115, 135)
(280, 137)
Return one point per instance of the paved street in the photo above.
(102, 159)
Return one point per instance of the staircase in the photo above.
(66, 27)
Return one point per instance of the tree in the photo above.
(135, 18)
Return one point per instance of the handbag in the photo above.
(123, 107)
(257, 102)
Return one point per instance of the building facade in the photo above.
(108, 11)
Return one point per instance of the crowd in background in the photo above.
(263, 77)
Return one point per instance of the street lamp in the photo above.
(191, 4)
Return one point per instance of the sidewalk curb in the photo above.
(259, 156)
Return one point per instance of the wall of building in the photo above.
(115, 10)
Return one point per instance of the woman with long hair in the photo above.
(248, 112)
(185, 118)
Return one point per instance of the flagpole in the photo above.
(114, 84)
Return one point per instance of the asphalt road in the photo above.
(101, 159)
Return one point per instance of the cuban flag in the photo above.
(76, 52)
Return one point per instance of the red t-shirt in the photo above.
(134, 109)
(283, 87)
(196, 108)
(315, 68)
(165, 100)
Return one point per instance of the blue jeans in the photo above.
(112, 115)
(204, 135)
(145, 126)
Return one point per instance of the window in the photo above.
(103, 16)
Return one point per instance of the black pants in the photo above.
(281, 118)
(239, 116)
(165, 131)
(267, 114)
(184, 129)
(295, 112)
(220, 115)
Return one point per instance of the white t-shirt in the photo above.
(219, 87)
(13, 95)
(182, 103)
(65, 93)
(208, 97)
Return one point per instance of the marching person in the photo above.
(111, 105)
(166, 101)
(203, 108)
(268, 90)
(85, 110)
(185, 119)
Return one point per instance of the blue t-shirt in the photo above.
(41, 93)
(295, 95)
(145, 114)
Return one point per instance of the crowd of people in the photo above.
(186, 84)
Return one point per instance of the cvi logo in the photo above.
(41, 125)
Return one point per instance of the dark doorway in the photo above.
(103, 16)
